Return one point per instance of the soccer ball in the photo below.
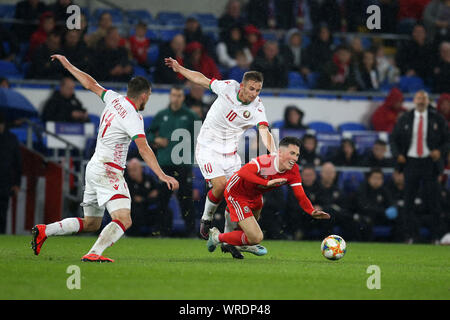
(333, 247)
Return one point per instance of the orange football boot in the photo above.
(92, 257)
(39, 237)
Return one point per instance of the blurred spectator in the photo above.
(271, 14)
(385, 116)
(441, 72)
(366, 74)
(111, 61)
(410, 12)
(376, 157)
(138, 44)
(193, 33)
(59, 9)
(195, 97)
(254, 39)
(328, 12)
(346, 155)
(104, 24)
(232, 16)
(165, 122)
(198, 59)
(308, 151)
(9, 45)
(175, 49)
(46, 26)
(11, 168)
(419, 142)
(293, 53)
(145, 205)
(28, 11)
(232, 43)
(396, 189)
(331, 199)
(436, 19)
(272, 66)
(388, 17)
(443, 106)
(298, 224)
(338, 74)
(63, 105)
(273, 220)
(4, 83)
(41, 65)
(75, 50)
(199, 111)
(293, 118)
(388, 72)
(83, 27)
(373, 200)
(242, 66)
(320, 51)
(414, 57)
(357, 50)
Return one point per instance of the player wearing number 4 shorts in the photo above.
(236, 109)
(105, 186)
(245, 188)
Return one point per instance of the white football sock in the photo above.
(210, 209)
(63, 227)
(109, 235)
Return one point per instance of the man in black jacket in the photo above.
(63, 106)
(11, 168)
(418, 142)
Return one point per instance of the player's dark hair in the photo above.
(380, 142)
(177, 87)
(253, 75)
(308, 166)
(286, 141)
(138, 85)
(373, 171)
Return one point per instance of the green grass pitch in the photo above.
(168, 269)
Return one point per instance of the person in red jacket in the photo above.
(443, 106)
(138, 44)
(199, 60)
(46, 26)
(385, 116)
(245, 188)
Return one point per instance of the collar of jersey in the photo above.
(237, 96)
(128, 99)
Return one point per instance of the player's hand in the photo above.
(319, 214)
(65, 63)
(435, 154)
(173, 64)
(161, 142)
(171, 182)
(401, 159)
(276, 182)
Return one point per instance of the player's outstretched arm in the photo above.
(267, 138)
(306, 205)
(86, 80)
(191, 75)
(150, 159)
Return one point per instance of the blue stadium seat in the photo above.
(351, 126)
(349, 181)
(171, 18)
(139, 71)
(95, 119)
(320, 126)
(198, 182)
(134, 16)
(277, 124)
(205, 19)
(311, 79)
(411, 84)
(153, 35)
(328, 143)
(236, 73)
(306, 40)
(9, 70)
(295, 80)
(116, 15)
(366, 42)
(382, 231)
(177, 222)
(269, 36)
(7, 11)
(167, 35)
(153, 54)
(147, 121)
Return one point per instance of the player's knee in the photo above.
(255, 238)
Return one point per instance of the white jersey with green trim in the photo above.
(228, 117)
(120, 124)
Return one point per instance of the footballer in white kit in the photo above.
(105, 186)
(236, 109)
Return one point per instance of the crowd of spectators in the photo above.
(303, 45)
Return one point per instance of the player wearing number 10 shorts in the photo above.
(236, 109)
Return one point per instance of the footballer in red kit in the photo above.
(244, 190)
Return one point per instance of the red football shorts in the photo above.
(241, 208)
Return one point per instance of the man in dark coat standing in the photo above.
(419, 142)
(11, 168)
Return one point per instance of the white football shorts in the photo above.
(213, 164)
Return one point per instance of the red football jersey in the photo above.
(251, 180)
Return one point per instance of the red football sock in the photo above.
(235, 238)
